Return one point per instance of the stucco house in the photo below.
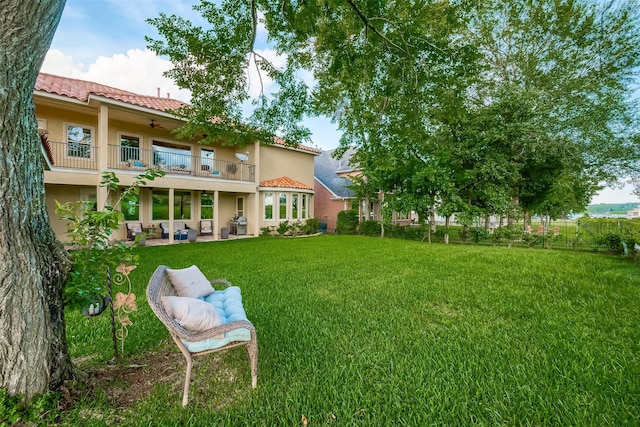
(88, 128)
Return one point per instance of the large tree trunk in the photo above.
(33, 264)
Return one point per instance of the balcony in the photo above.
(84, 157)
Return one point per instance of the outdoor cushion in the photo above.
(190, 282)
(192, 314)
(228, 304)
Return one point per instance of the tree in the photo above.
(419, 82)
(559, 74)
(374, 62)
(33, 348)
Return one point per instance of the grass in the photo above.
(377, 332)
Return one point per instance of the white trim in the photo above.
(287, 189)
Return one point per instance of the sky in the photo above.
(103, 41)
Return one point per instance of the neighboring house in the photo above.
(88, 128)
(634, 213)
(332, 192)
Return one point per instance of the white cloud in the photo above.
(138, 71)
(56, 62)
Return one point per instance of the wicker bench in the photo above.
(235, 331)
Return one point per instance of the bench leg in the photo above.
(252, 352)
(187, 381)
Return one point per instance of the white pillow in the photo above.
(193, 314)
(190, 282)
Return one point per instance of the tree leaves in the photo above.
(474, 104)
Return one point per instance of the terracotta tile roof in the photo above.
(81, 90)
(281, 142)
(44, 138)
(284, 182)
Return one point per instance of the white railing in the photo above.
(84, 156)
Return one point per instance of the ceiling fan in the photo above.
(154, 125)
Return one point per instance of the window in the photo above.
(89, 196)
(181, 205)
(160, 205)
(294, 206)
(79, 140)
(131, 208)
(240, 206)
(207, 160)
(176, 156)
(206, 206)
(304, 206)
(268, 206)
(283, 206)
(129, 148)
(401, 216)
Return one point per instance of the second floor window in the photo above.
(174, 157)
(129, 148)
(79, 139)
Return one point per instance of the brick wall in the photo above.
(325, 205)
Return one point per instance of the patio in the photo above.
(162, 242)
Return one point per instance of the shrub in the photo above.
(479, 234)
(283, 228)
(347, 222)
(371, 228)
(531, 239)
(612, 242)
(312, 225)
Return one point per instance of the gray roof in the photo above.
(326, 170)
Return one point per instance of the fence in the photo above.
(612, 235)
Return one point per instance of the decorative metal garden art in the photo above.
(95, 253)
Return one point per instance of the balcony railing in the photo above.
(83, 156)
(132, 158)
(73, 155)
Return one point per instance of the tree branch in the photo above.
(370, 26)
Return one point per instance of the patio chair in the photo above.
(206, 227)
(177, 226)
(133, 228)
(192, 333)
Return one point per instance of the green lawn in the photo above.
(375, 332)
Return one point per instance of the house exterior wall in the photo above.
(326, 205)
(72, 179)
(299, 166)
